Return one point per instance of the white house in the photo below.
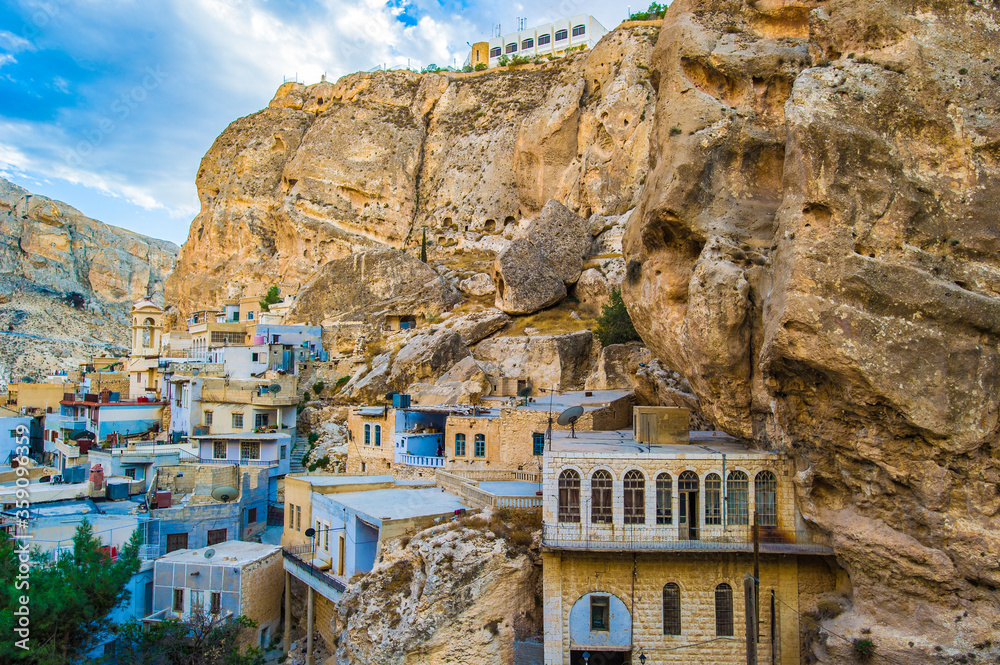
(549, 39)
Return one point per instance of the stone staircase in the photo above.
(298, 451)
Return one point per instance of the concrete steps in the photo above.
(298, 451)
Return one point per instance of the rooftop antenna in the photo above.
(551, 393)
(274, 388)
(569, 417)
(525, 393)
(209, 553)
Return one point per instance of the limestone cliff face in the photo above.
(68, 283)
(335, 168)
(815, 251)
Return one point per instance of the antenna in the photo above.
(274, 388)
(551, 393)
(209, 553)
(569, 417)
(525, 393)
(224, 493)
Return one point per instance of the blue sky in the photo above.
(109, 105)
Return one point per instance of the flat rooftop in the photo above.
(227, 553)
(399, 503)
(330, 481)
(509, 487)
(246, 436)
(618, 443)
(541, 401)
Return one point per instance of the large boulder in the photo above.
(364, 285)
(562, 237)
(464, 383)
(526, 280)
(479, 284)
(426, 356)
(592, 289)
(547, 361)
(479, 325)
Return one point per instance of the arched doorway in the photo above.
(600, 629)
(687, 508)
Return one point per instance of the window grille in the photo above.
(496, 52)
(219, 450)
(664, 498)
(635, 497)
(561, 35)
(217, 536)
(713, 499)
(237, 421)
(765, 490)
(600, 497)
(208, 418)
(569, 496)
(527, 43)
(512, 47)
(249, 450)
(579, 30)
(537, 443)
(216, 602)
(724, 610)
(671, 609)
(737, 508)
(544, 39)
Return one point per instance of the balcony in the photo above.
(663, 538)
(299, 560)
(67, 449)
(263, 463)
(420, 460)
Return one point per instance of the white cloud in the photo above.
(14, 43)
(7, 59)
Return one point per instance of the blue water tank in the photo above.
(116, 491)
(401, 401)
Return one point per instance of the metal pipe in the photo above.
(310, 617)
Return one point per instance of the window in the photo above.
(713, 499)
(736, 499)
(635, 497)
(496, 52)
(261, 419)
(600, 611)
(219, 450)
(216, 600)
(579, 30)
(561, 35)
(291, 516)
(664, 497)
(220, 337)
(217, 536)
(671, 609)
(480, 450)
(130, 473)
(368, 434)
(724, 610)
(569, 496)
(765, 494)
(512, 47)
(537, 443)
(208, 418)
(544, 39)
(197, 601)
(600, 497)
(249, 316)
(178, 600)
(237, 421)
(459, 445)
(527, 43)
(176, 541)
(249, 450)
(283, 452)
(298, 518)
(378, 436)
(251, 515)
(255, 357)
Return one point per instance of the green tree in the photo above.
(614, 325)
(423, 247)
(203, 640)
(654, 11)
(272, 297)
(70, 600)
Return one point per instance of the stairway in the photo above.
(298, 451)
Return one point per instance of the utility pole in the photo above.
(756, 573)
(750, 603)
(774, 633)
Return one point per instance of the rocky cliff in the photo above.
(371, 160)
(68, 282)
(815, 251)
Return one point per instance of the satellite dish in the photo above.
(569, 417)
(310, 532)
(390, 395)
(274, 388)
(195, 372)
(209, 553)
(524, 392)
(224, 493)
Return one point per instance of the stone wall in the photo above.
(262, 584)
(370, 459)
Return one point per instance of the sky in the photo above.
(109, 105)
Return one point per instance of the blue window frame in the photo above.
(537, 443)
(579, 30)
(544, 39)
(512, 47)
(368, 434)
(480, 450)
(495, 52)
(378, 436)
(561, 35)
(459, 445)
(527, 43)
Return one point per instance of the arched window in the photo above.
(368, 434)
(765, 492)
(737, 508)
(635, 497)
(147, 331)
(664, 498)
(569, 496)
(459, 445)
(480, 442)
(723, 610)
(687, 482)
(600, 497)
(671, 609)
(378, 435)
(713, 499)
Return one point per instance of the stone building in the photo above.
(222, 581)
(645, 549)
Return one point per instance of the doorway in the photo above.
(687, 496)
(599, 657)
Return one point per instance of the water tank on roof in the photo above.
(401, 401)
(258, 339)
(116, 491)
(163, 499)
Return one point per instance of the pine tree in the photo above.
(423, 248)
(614, 325)
(273, 297)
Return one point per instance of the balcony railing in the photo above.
(477, 497)
(300, 558)
(664, 538)
(420, 460)
(241, 462)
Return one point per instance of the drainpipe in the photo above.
(631, 624)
